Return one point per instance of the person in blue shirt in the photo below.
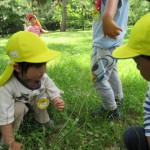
(109, 28)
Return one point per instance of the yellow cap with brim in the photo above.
(139, 40)
(25, 46)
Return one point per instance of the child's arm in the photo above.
(44, 31)
(148, 139)
(25, 27)
(7, 133)
(54, 93)
(110, 28)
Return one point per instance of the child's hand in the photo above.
(59, 103)
(24, 25)
(47, 32)
(111, 29)
(16, 146)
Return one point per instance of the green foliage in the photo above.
(13, 12)
(79, 14)
(52, 17)
(10, 15)
(137, 9)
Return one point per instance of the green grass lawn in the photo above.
(71, 73)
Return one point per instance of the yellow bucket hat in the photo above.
(139, 40)
(25, 46)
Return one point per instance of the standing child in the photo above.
(35, 26)
(108, 32)
(24, 85)
(138, 48)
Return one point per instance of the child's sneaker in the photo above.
(119, 101)
(50, 124)
(111, 115)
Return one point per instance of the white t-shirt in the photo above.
(14, 90)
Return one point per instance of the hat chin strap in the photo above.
(10, 62)
(7, 73)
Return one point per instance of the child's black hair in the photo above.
(25, 66)
(146, 57)
(31, 18)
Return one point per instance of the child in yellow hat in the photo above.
(138, 48)
(24, 85)
(35, 25)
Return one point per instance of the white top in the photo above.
(14, 90)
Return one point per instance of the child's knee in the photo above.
(132, 137)
(20, 109)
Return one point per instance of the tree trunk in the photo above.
(64, 16)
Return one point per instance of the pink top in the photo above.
(35, 29)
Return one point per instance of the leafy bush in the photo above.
(137, 9)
